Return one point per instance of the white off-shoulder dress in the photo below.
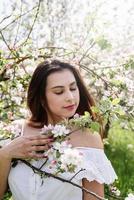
(25, 184)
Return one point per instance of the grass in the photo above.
(120, 150)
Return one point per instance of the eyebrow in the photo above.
(61, 86)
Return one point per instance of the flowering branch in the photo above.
(4, 40)
(35, 169)
(37, 12)
(14, 20)
(69, 181)
(61, 179)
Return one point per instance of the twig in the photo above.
(98, 76)
(92, 71)
(5, 41)
(84, 55)
(115, 197)
(5, 18)
(43, 163)
(38, 7)
(76, 174)
(94, 60)
(18, 18)
(52, 47)
(2, 139)
(15, 40)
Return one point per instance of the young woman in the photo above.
(56, 92)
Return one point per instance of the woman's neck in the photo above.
(55, 120)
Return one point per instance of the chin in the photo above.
(70, 115)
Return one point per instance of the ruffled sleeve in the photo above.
(96, 166)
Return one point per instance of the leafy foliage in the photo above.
(119, 148)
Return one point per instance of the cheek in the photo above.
(53, 101)
(78, 96)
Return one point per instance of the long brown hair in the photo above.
(36, 99)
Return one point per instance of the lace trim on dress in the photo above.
(96, 166)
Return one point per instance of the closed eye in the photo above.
(62, 91)
(72, 89)
(58, 93)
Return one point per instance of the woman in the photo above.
(56, 92)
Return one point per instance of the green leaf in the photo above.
(103, 43)
(95, 126)
(120, 111)
(86, 114)
(57, 154)
(95, 109)
(115, 101)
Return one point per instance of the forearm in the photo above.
(94, 187)
(5, 164)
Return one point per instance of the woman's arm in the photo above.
(21, 147)
(92, 186)
(5, 164)
(95, 141)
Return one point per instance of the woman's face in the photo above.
(62, 95)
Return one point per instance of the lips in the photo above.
(70, 107)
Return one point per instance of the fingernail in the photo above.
(51, 136)
(50, 140)
(44, 156)
(50, 145)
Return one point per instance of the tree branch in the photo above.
(38, 7)
(98, 76)
(15, 40)
(18, 18)
(86, 52)
(5, 18)
(5, 41)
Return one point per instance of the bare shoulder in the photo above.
(95, 139)
(86, 139)
(18, 122)
(29, 130)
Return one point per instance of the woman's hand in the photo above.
(27, 146)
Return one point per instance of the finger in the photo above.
(35, 155)
(39, 142)
(38, 148)
(37, 137)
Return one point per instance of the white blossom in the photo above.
(130, 146)
(24, 111)
(16, 99)
(76, 116)
(46, 129)
(30, 69)
(15, 129)
(107, 93)
(115, 190)
(71, 157)
(60, 130)
(130, 197)
(61, 146)
(1, 125)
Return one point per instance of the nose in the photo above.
(69, 96)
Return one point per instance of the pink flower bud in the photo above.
(53, 162)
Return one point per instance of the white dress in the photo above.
(25, 184)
